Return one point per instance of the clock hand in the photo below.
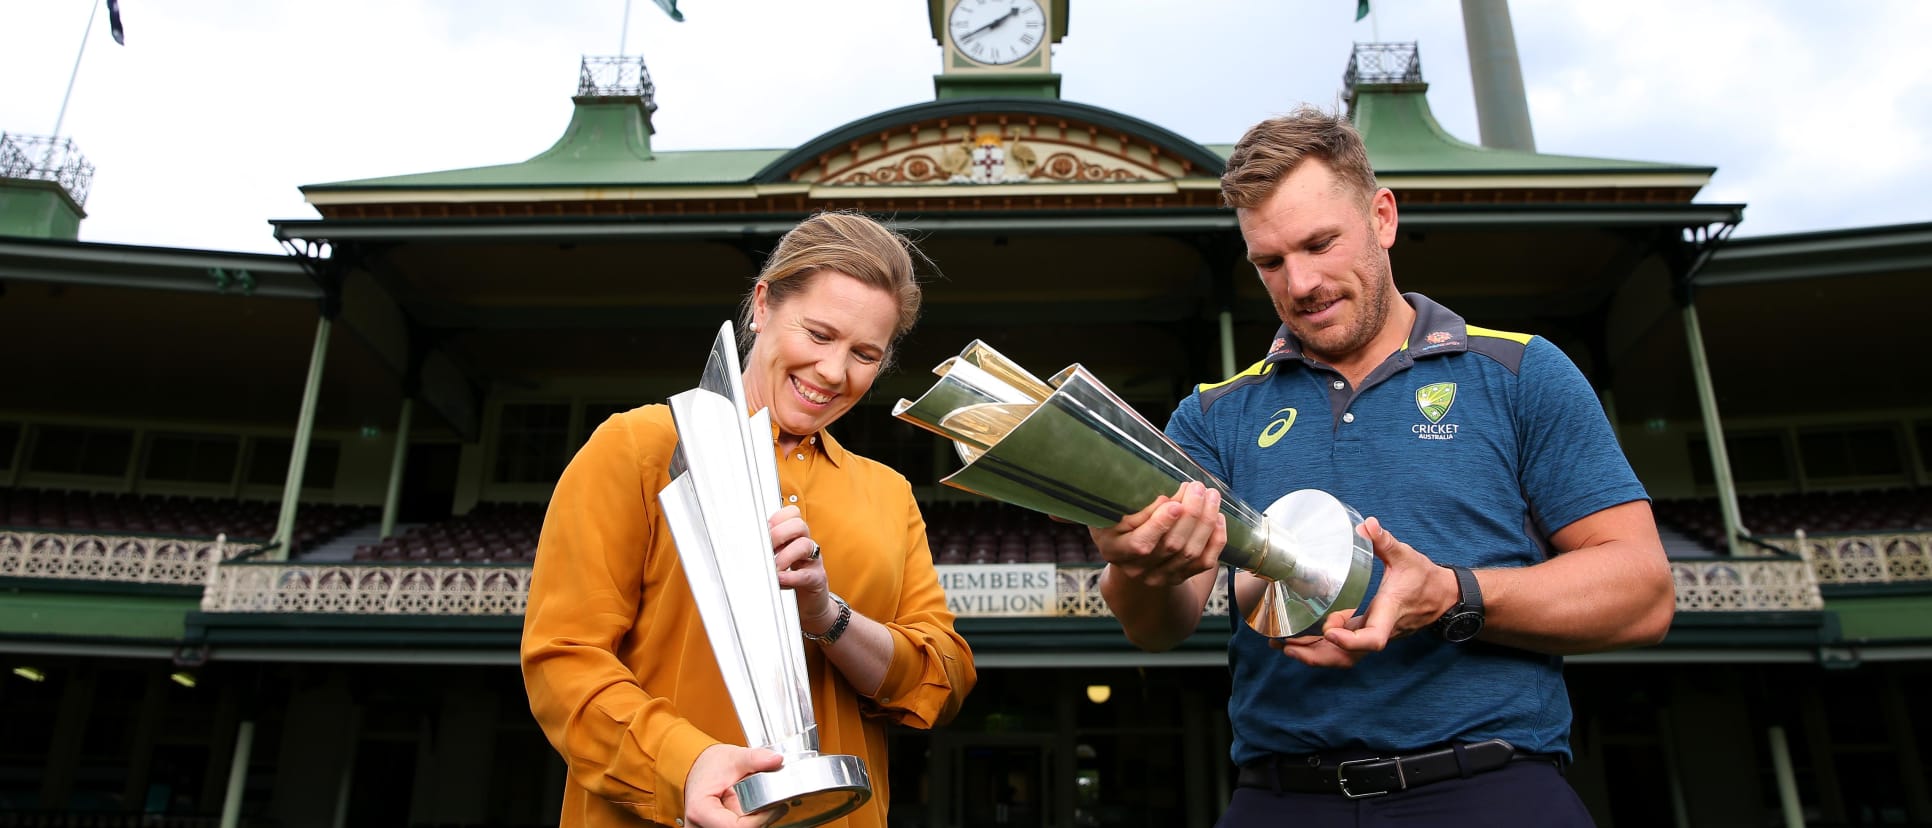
(996, 22)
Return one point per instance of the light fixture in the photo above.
(183, 678)
(30, 673)
(1099, 693)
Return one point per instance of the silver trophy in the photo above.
(724, 487)
(1072, 449)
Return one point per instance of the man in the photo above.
(1498, 497)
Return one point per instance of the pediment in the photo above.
(974, 143)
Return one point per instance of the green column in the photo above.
(397, 462)
(1713, 429)
(298, 459)
(237, 775)
(1793, 811)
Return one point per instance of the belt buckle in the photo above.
(1341, 777)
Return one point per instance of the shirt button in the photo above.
(1346, 418)
(801, 457)
(792, 499)
(1338, 385)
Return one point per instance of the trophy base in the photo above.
(1333, 562)
(806, 791)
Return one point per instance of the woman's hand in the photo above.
(710, 801)
(799, 566)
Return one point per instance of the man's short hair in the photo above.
(1273, 148)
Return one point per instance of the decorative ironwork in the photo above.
(46, 158)
(1864, 558)
(368, 589)
(1382, 63)
(1077, 593)
(132, 559)
(616, 77)
(1745, 584)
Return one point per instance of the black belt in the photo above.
(1378, 775)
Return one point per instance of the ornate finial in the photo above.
(46, 158)
(1375, 64)
(622, 76)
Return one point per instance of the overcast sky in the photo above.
(1816, 115)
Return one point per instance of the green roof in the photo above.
(1403, 137)
(607, 144)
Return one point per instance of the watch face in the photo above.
(1463, 626)
(997, 32)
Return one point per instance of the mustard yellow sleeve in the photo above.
(932, 667)
(620, 742)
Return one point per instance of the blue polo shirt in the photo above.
(1471, 445)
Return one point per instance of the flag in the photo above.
(1361, 9)
(670, 7)
(114, 21)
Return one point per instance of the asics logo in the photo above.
(1271, 434)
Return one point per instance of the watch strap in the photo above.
(832, 633)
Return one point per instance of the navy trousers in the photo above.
(1519, 794)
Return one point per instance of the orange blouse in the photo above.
(615, 658)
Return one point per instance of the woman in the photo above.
(615, 659)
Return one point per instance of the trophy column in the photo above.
(724, 488)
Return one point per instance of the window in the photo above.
(595, 413)
(532, 442)
(1755, 458)
(268, 462)
(101, 452)
(1858, 451)
(1924, 433)
(9, 443)
(192, 458)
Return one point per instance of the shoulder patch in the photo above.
(1505, 347)
(1210, 392)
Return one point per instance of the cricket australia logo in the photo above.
(1433, 401)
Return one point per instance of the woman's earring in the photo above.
(754, 327)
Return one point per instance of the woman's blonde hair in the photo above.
(850, 243)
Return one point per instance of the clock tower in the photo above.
(997, 48)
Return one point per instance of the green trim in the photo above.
(122, 616)
(38, 209)
(86, 586)
(1823, 254)
(1041, 86)
(1042, 222)
(1884, 619)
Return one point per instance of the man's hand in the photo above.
(1173, 539)
(709, 801)
(1414, 592)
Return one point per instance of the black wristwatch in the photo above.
(1464, 620)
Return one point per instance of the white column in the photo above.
(237, 775)
(298, 459)
(397, 462)
(1713, 429)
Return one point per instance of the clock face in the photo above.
(997, 32)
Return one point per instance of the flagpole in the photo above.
(624, 37)
(95, 9)
(1375, 25)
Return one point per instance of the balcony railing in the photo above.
(1864, 557)
(132, 559)
(1770, 583)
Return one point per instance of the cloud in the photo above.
(206, 123)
